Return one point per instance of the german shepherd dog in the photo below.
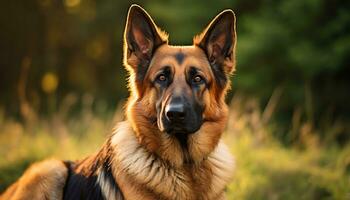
(169, 147)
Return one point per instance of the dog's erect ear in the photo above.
(141, 38)
(218, 41)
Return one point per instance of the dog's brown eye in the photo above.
(197, 79)
(161, 77)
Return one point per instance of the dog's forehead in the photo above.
(179, 58)
(189, 50)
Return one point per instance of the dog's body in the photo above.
(169, 147)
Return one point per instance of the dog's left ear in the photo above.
(141, 38)
(218, 41)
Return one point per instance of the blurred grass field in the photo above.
(265, 168)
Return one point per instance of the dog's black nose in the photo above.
(175, 112)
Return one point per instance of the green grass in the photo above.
(270, 171)
(265, 169)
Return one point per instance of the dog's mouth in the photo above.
(179, 130)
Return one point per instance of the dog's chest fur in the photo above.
(124, 169)
(138, 171)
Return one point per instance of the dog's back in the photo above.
(41, 181)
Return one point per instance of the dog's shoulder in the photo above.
(42, 180)
(92, 177)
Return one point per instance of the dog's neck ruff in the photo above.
(168, 181)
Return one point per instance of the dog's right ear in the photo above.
(141, 38)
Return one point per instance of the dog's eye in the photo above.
(197, 79)
(161, 78)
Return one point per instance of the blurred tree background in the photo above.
(299, 49)
(292, 59)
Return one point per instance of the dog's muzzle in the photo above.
(181, 117)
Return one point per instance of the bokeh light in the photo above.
(72, 3)
(49, 83)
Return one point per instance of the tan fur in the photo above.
(42, 181)
(145, 173)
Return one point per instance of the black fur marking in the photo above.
(110, 178)
(82, 177)
(191, 74)
(141, 71)
(182, 138)
(220, 76)
(79, 186)
(180, 57)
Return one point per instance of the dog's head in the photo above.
(177, 92)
